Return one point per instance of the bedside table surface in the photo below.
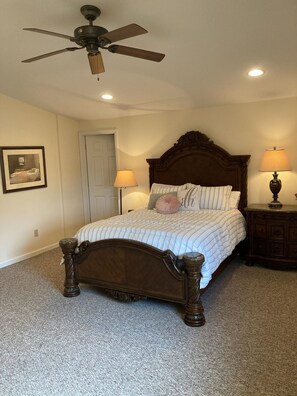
(265, 208)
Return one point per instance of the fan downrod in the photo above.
(90, 12)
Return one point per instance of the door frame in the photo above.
(83, 164)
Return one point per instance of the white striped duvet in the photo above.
(214, 233)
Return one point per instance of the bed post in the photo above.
(68, 246)
(194, 309)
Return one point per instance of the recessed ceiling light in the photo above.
(107, 96)
(255, 72)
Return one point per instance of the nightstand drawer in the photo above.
(260, 231)
(271, 249)
(259, 247)
(277, 231)
(276, 249)
(292, 233)
(292, 251)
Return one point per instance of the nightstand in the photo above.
(272, 236)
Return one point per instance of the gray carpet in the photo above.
(93, 345)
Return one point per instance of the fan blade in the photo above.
(136, 52)
(96, 63)
(51, 54)
(50, 33)
(123, 33)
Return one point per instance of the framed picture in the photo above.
(22, 168)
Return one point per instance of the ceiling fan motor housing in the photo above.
(90, 35)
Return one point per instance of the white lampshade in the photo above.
(125, 178)
(275, 160)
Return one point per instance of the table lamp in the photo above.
(124, 178)
(275, 160)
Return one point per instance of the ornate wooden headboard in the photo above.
(196, 159)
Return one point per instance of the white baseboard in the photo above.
(28, 255)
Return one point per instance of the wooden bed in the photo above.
(132, 270)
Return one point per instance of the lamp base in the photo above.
(275, 205)
(275, 187)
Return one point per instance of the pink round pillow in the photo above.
(167, 204)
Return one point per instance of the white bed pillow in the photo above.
(234, 199)
(191, 185)
(215, 198)
(158, 188)
(189, 199)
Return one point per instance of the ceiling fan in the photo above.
(94, 38)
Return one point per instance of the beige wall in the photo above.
(240, 129)
(56, 210)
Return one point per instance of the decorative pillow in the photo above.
(189, 199)
(167, 204)
(158, 188)
(215, 198)
(154, 197)
(234, 199)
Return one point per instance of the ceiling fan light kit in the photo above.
(93, 38)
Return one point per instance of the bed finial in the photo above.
(68, 246)
(194, 315)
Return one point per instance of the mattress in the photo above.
(214, 233)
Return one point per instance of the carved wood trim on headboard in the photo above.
(196, 159)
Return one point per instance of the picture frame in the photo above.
(22, 168)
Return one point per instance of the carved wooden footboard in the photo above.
(131, 270)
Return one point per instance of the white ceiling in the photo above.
(209, 45)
